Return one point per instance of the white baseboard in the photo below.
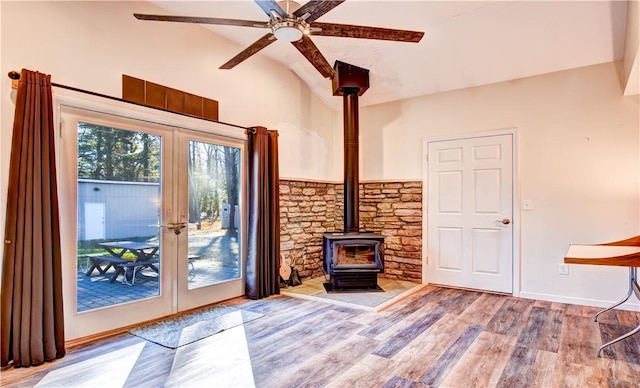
(631, 305)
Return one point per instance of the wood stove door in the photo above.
(470, 209)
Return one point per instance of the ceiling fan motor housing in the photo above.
(289, 28)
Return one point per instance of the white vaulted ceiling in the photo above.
(466, 43)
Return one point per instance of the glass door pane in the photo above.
(212, 196)
(214, 213)
(118, 198)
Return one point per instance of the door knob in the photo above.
(505, 221)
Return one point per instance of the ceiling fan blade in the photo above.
(271, 8)
(365, 32)
(201, 20)
(249, 51)
(316, 8)
(313, 55)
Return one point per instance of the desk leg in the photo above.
(626, 335)
(632, 279)
(633, 288)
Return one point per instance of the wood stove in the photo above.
(353, 259)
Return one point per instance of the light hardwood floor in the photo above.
(437, 337)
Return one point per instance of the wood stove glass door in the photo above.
(470, 201)
(358, 254)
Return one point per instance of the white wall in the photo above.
(89, 45)
(579, 164)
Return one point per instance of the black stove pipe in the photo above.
(350, 82)
(351, 168)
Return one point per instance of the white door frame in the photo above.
(516, 197)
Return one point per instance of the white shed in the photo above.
(110, 210)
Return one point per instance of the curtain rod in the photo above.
(15, 76)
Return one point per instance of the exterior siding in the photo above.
(131, 208)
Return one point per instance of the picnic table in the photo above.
(145, 257)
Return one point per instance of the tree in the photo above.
(232, 170)
(194, 203)
(107, 153)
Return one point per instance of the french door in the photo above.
(171, 202)
(209, 194)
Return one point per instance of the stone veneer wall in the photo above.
(307, 210)
(393, 209)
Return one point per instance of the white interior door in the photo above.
(470, 213)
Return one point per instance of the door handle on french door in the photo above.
(505, 221)
(175, 226)
(178, 226)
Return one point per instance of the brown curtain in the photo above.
(32, 317)
(263, 258)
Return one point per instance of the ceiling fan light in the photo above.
(288, 31)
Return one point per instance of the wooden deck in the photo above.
(437, 337)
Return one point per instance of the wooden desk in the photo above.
(625, 253)
(616, 255)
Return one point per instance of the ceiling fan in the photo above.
(291, 22)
